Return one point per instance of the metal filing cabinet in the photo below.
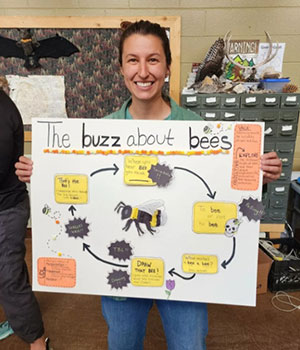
(280, 113)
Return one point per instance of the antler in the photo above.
(268, 58)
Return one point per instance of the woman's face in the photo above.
(144, 66)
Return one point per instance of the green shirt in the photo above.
(129, 116)
(177, 112)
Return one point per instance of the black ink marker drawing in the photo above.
(150, 213)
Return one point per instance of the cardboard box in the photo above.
(264, 265)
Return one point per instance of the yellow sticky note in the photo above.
(71, 189)
(211, 217)
(147, 272)
(136, 170)
(194, 263)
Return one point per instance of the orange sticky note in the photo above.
(246, 157)
(56, 272)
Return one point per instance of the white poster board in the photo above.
(163, 210)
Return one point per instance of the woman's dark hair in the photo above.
(145, 28)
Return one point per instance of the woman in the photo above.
(145, 60)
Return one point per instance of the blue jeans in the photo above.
(185, 323)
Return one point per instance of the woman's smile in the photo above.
(144, 84)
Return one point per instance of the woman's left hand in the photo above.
(271, 166)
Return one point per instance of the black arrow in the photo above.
(240, 148)
(115, 169)
(210, 194)
(225, 263)
(172, 272)
(72, 209)
(86, 247)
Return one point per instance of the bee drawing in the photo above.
(150, 213)
(46, 210)
(207, 129)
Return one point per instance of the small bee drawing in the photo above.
(46, 210)
(150, 213)
(207, 129)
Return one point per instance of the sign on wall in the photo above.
(163, 210)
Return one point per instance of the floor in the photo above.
(74, 322)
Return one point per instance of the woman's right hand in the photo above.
(24, 169)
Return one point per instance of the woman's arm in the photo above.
(271, 166)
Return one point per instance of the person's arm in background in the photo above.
(10, 138)
(24, 169)
(271, 166)
(6, 153)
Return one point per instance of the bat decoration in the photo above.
(31, 50)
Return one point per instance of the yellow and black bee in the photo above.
(150, 213)
(46, 210)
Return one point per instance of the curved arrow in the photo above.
(210, 194)
(72, 209)
(239, 148)
(172, 272)
(225, 263)
(87, 247)
(115, 169)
